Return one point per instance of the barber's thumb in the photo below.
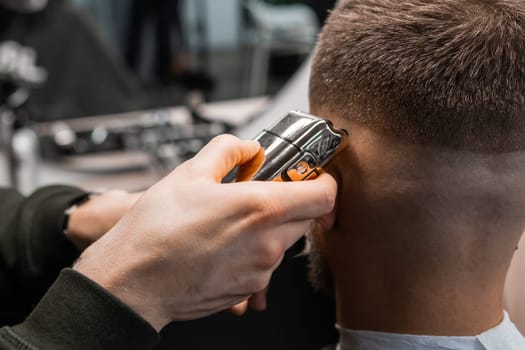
(257, 301)
(327, 221)
(221, 155)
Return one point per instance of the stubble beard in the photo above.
(319, 274)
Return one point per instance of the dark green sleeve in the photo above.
(78, 314)
(33, 247)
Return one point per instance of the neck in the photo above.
(409, 299)
(424, 236)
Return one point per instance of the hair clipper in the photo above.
(295, 149)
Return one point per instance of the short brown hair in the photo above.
(440, 72)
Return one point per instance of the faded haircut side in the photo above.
(448, 73)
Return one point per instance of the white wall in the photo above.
(222, 21)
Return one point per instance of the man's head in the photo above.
(432, 186)
(448, 73)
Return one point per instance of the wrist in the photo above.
(124, 275)
(77, 220)
(92, 219)
(62, 327)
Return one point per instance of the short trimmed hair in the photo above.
(438, 72)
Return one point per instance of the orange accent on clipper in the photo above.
(299, 171)
(314, 175)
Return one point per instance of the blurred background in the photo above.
(116, 86)
(115, 93)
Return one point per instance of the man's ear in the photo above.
(328, 221)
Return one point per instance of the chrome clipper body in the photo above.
(298, 147)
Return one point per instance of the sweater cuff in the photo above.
(45, 247)
(77, 313)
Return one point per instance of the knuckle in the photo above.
(258, 283)
(188, 167)
(267, 209)
(269, 254)
(329, 199)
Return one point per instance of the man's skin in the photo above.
(515, 288)
(423, 236)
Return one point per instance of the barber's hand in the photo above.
(192, 246)
(92, 219)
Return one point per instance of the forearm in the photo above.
(76, 313)
(38, 239)
(32, 237)
(33, 248)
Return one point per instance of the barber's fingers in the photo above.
(249, 169)
(257, 301)
(278, 240)
(309, 199)
(239, 309)
(221, 155)
(293, 201)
